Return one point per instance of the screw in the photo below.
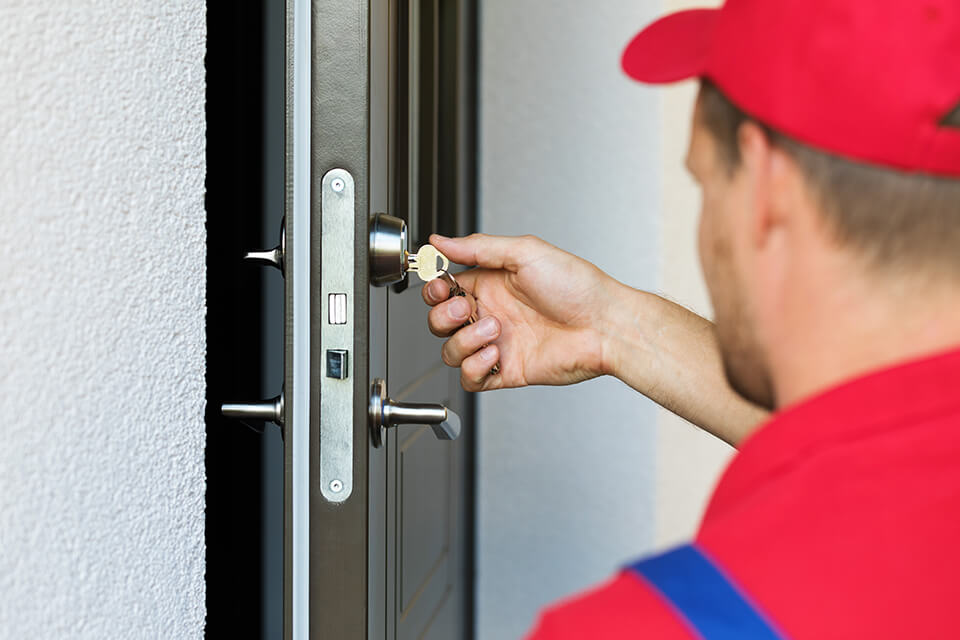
(336, 486)
(337, 184)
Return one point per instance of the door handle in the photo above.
(267, 411)
(272, 257)
(386, 412)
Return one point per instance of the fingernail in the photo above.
(431, 293)
(487, 353)
(459, 309)
(487, 327)
(440, 237)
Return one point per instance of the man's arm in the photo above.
(670, 354)
(551, 318)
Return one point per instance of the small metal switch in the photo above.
(337, 363)
(337, 308)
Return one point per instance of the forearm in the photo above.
(670, 354)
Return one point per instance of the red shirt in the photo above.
(840, 518)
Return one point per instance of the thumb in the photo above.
(478, 249)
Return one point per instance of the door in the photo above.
(379, 120)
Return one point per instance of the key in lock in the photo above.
(390, 261)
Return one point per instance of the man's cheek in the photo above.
(703, 244)
(707, 245)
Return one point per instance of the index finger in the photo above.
(479, 249)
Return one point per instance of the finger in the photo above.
(436, 291)
(468, 340)
(447, 317)
(475, 371)
(491, 252)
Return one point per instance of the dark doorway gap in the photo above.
(244, 510)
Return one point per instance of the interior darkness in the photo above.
(243, 200)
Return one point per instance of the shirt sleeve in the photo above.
(624, 607)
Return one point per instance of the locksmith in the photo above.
(826, 144)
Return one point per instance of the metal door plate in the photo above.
(337, 283)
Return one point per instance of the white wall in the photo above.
(573, 482)
(102, 319)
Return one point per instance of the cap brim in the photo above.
(675, 47)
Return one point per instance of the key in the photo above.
(427, 262)
(430, 264)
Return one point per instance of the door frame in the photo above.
(327, 118)
(339, 114)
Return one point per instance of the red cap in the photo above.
(870, 80)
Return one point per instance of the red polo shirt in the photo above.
(840, 518)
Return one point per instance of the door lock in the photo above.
(388, 250)
(386, 412)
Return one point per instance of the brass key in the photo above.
(430, 264)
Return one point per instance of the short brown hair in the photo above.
(894, 218)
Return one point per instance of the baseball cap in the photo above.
(870, 80)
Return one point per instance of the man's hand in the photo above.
(540, 313)
(551, 318)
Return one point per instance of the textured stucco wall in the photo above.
(574, 481)
(102, 319)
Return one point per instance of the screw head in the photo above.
(336, 486)
(337, 184)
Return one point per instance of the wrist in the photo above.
(623, 340)
(615, 328)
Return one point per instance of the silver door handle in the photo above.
(386, 412)
(267, 411)
(272, 257)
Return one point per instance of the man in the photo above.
(826, 142)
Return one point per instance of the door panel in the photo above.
(413, 350)
(428, 480)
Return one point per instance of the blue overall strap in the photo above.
(707, 599)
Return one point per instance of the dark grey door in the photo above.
(379, 120)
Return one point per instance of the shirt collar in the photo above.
(884, 400)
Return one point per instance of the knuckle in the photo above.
(474, 371)
(530, 242)
(466, 383)
(436, 324)
(446, 356)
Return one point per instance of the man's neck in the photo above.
(854, 330)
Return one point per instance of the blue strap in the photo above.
(707, 599)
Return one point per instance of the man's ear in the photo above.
(758, 166)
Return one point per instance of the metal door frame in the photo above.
(328, 127)
(340, 111)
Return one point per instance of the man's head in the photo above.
(843, 182)
(773, 206)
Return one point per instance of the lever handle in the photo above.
(271, 257)
(268, 411)
(386, 412)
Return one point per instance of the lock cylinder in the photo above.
(388, 250)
